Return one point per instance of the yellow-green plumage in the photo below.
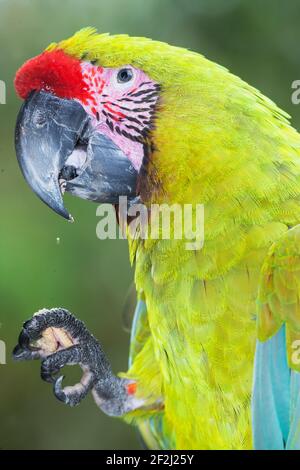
(221, 143)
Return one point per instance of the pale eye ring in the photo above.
(124, 75)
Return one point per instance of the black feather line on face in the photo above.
(134, 125)
(141, 92)
(110, 125)
(134, 128)
(133, 119)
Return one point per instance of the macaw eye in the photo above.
(124, 75)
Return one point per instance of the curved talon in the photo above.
(58, 390)
(71, 398)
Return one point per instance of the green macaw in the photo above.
(215, 338)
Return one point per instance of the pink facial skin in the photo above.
(123, 111)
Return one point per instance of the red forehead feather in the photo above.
(53, 71)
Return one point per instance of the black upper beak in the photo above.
(58, 150)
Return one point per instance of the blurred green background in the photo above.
(257, 40)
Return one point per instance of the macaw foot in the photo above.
(58, 338)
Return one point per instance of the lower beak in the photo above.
(58, 151)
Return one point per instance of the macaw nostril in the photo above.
(68, 173)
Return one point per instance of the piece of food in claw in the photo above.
(52, 340)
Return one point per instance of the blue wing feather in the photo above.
(275, 398)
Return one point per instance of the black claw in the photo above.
(58, 391)
(75, 393)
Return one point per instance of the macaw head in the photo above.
(84, 127)
(108, 116)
